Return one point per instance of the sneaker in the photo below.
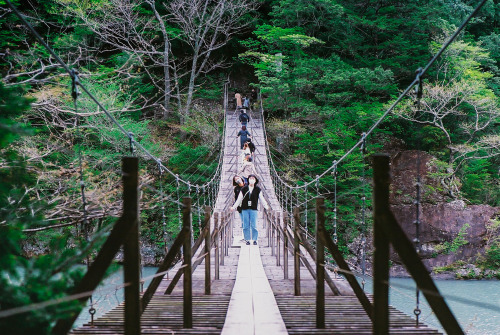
(248, 242)
(254, 242)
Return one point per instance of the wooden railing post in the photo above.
(208, 248)
(216, 237)
(131, 252)
(381, 246)
(285, 245)
(296, 251)
(320, 265)
(188, 288)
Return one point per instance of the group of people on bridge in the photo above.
(247, 194)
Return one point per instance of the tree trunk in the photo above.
(166, 101)
(191, 85)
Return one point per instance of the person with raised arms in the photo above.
(249, 198)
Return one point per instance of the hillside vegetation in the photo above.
(326, 71)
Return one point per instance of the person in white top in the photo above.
(248, 199)
(248, 168)
(246, 150)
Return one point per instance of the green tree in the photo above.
(25, 281)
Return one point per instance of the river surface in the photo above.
(110, 294)
(475, 304)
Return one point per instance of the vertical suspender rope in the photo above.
(282, 200)
(178, 203)
(189, 195)
(419, 91)
(203, 190)
(198, 205)
(287, 197)
(131, 143)
(164, 222)
(335, 237)
(363, 211)
(317, 185)
(305, 218)
(85, 222)
(297, 204)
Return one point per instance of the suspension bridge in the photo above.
(291, 282)
(271, 288)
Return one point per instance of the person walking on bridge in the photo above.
(248, 168)
(243, 134)
(253, 95)
(246, 151)
(238, 183)
(248, 199)
(244, 117)
(246, 103)
(238, 100)
(251, 146)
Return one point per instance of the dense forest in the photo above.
(326, 71)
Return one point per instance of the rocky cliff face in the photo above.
(450, 231)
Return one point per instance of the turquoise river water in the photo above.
(476, 304)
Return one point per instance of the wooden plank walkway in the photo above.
(252, 296)
(344, 315)
(252, 309)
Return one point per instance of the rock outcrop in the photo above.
(450, 231)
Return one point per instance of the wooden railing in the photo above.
(386, 230)
(280, 231)
(125, 232)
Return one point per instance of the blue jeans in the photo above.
(250, 224)
(241, 218)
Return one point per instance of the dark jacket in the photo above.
(237, 190)
(253, 197)
(244, 136)
(251, 146)
(244, 117)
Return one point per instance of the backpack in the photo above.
(244, 117)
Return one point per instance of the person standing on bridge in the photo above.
(238, 183)
(248, 168)
(246, 151)
(253, 95)
(248, 199)
(243, 134)
(238, 100)
(244, 117)
(246, 103)
(251, 146)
